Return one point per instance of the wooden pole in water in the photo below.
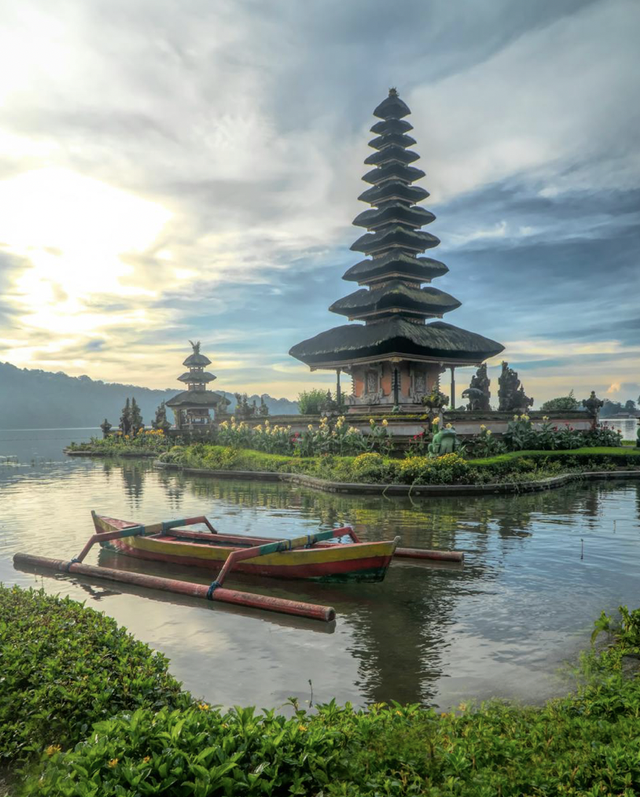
(267, 602)
(419, 553)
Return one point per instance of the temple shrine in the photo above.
(191, 407)
(395, 358)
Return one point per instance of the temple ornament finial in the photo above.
(195, 346)
(393, 92)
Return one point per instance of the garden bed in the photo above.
(85, 709)
(371, 473)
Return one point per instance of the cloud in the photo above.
(212, 157)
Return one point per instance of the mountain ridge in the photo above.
(33, 398)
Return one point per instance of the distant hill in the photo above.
(33, 399)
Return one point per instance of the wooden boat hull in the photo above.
(327, 562)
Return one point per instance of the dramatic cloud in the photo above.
(177, 171)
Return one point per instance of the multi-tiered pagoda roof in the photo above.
(394, 301)
(196, 379)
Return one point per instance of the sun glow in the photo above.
(73, 233)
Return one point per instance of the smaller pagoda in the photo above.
(191, 407)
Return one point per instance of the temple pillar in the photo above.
(338, 391)
(453, 389)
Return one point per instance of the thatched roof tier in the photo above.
(395, 237)
(394, 306)
(197, 361)
(197, 377)
(198, 398)
(392, 107)
(390, 126)
(437, 341)
(396, 297)
(392, 153)
(392, 139)
(395, 264)
(394, 213)
(393, 191)
(393, 171)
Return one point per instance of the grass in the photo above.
(515, 467)
(88, 711)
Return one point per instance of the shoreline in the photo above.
(435, 490)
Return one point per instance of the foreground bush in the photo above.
(63, 667)
(585, 744)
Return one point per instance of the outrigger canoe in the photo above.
(327, 561)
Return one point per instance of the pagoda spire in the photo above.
(394, 271)
(394, 358)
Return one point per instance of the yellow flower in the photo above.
(399, 713)
(302, 728)
(515, 417)
(53, 748)
(203, 706)
(146, 759)
(385, 422)
(436, 420)
(126, 437)
(482, 427)
(257, 428)
(489, 431)
(545, 417)
(113, 762)
(310, 427)
(448, 426)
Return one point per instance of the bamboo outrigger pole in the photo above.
(214, 592)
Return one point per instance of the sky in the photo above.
(190, 170)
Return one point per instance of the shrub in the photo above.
(561, 403)
(372, 467)
(65, 667)
(583, 744)
(310, 402)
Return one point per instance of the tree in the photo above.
(136, 417)
(561, 403)
(630, 406)
(160, 421)
(125, 418)
(311, 401)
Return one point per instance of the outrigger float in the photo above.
(317, 557)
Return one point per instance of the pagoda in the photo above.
(191, 407)
(395, 358)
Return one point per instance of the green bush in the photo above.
(562, 403)
(310, 402)
(584, 744)
(372, 467)
(63, 667)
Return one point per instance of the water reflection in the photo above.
(430, 633)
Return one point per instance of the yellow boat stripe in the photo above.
(304, 556)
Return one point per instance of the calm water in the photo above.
(502, 624)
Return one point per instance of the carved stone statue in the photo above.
(511, 393)
(478, 391)
(592, 404)
(445, 441)
(195, 346)
(106, 428)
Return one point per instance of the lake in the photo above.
(538, 571)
